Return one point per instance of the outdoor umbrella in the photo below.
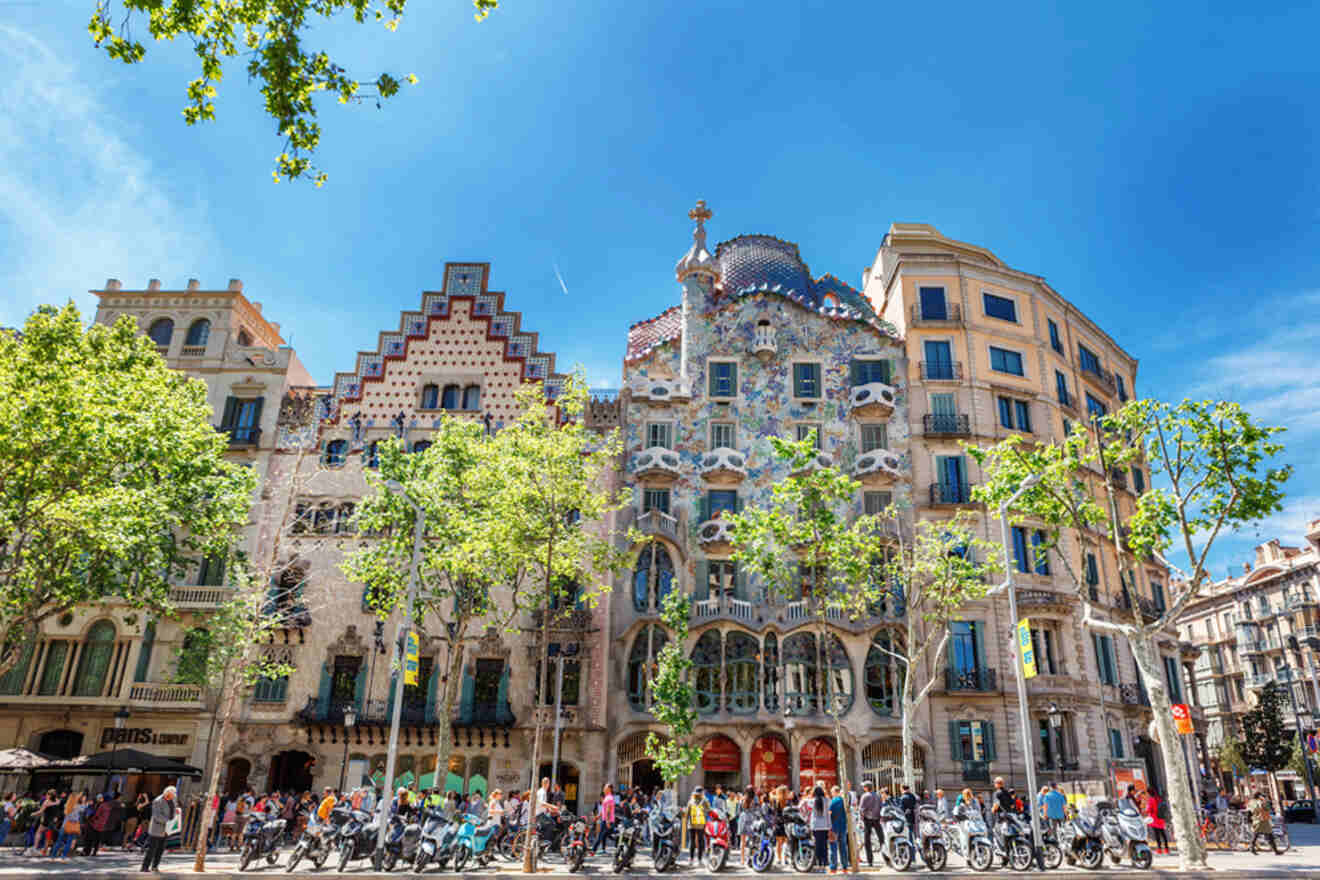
(124, 761)
(23, 761)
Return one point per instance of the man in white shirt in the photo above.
(543, 802)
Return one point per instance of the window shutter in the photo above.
(739, 582)
(703, 508)
(503, 713)
(887, 371)
(701, 589)
(360, 686)
(737, 504)
(854, 372)
(710, 379)
(1099, 662)
(979, 628)
(955, 744)
(230, 413)
(467, 694)
(256, 411)
(323, 692)
(144, 656)
(988, 732)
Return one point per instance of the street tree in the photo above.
(1266, 743)
(1230, 755)
(272, 35)
(113, 481)
(547, 475)
(1214, 463)
(804, 544)
(465, 582)
(673, 699)
(925, 578)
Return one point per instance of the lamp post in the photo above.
(405, 627)
(789, 723)
(350, 718)
(121, 716)
(1056, 725)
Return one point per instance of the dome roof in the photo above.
(763, 261)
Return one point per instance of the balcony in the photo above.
(240, 436)
(945, 425)
(658, 523)
(380, 713)
(165, 695)
(1259, 679)
(872, 399)
(1101, 377)
(1118, 478)
(763, 342)
(724, 466)
(728, 607)
(941, 371)
(199, 598)
(656, 461)
(950, 315)
(715, 534)
(1067, 399)
(1039, 598)
(563, 619)
(950, 493)
(976, 771)
(660, 390)
(877, 466)
(981, 680)
(1295, 601)
(1133, 694)
(192, 351)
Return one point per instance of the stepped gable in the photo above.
(465, 297)
(645, 336)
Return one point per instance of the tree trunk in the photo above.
(543, 663)
(445, 737)
(1191, 851)
(217, 760)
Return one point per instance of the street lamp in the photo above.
(1056, 725)
(121, 717)
(350, 718)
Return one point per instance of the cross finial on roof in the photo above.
(700, 213)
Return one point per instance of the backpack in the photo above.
(1162, 811)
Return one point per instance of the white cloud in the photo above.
(78, 201)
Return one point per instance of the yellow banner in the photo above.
(410, 660)
(1024, 646)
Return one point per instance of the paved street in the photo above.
(1302, 860)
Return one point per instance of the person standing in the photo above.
(70, 828)
(607, 805)
(1258, 810)
(1053, 805)
(1155, 819)
(696, 822)
(870, 808)
(907, 801)
(840, 857)
(163, 810)
(97, 825)
(8, 809)
(819, 810)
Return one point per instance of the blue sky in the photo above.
(1157, 165)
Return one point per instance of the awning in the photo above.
(23, 761)
(122, 761)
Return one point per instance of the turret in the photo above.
(698, 272)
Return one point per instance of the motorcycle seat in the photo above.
(276, 825)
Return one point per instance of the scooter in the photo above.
(401, 841)
(717, 839)
(1012, 843)
(428, 845)
(1079, 838)
(967, 835)
(762, 840)
(626, 848)
(801, 848)
(357, 837)
(930, 837)
(1124, 833)
(318, 839)
(575, 843)
(261, 838)
(664, 836)
(896, 849)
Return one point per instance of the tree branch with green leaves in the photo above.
(673, 699)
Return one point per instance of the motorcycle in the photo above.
(626, 848)
(401, 840)
(967, 835)
(664, 835)
(762, 840)
(717, 840)
(931, 840)
(801, 848)
(1012, 842)
(575, 843)
(357, 837)
(1124, 833)
(473, 842)
(1080, 840)
(261, 838)
(895, 847)
(317, 841)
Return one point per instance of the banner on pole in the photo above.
(1024, 646)
(1182, 718)
(410, 660)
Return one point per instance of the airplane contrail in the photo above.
(561, 279)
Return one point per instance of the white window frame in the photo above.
(820, 432)
(667, 425)
(733, 430)
(861, 434)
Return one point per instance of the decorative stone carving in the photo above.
(872, 397)
(723, 464)
(659, 390)
(878, 463)
(714, 531)
(657, 461)
(350, 644)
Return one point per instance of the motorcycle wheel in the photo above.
(573, 858)
(1141, 858)
(804, 857)
(460, 858)
(620, 859)
(902, 855)
(295, 857)
(506, 846)
(762, 856)
(391, 859)
(1020, 857)
(345, 855)
(1093, 856)
(246, 858)
(716, 856)
(980, 856)
(1052, 854)
(936, 856)
(322, 856)
(664, 859)
(1279, 839)
(419, 862)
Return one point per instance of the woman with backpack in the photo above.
(1157, 811)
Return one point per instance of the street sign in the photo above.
(410, 660)
(1024, 646)
(1182, 718)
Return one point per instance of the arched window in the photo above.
(335, 453)
(430, 397)
(95, 661)
(884, 684)
(801, 682)
(741, 672)
(770, 663)
(162, 330)
(198, 332)
(653, 577)
(645, 648)
(451, 397)
(706, 672)
(838, 675)
(472, 397)
(421, 446)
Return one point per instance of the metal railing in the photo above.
(248, 435)
(157, 693)
(950, 493)
(976, 771)
(950, 314)
(1101, 376)
(981, 679)
(657, 522)
(945, 423)
(941, 371)
(199, 597)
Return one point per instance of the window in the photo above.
(1042, 646)
(450, 398)
(1173, 678)
(572, 679)
(1041, 554)
(721, 578)
(1094, 408)
(808, 431)
(806, 381)
(952, 487)
(1061, 388)
(421, 445)
(838, 676)
(430, 397)
(1115, 743)
(884, 683)
(1138, 480)
(1067, 428)
(660, 434)
(372, 455)
(655, 499)
(271, 690)
(939, 359)
(490, 690)
(706, 672)
(57, 651)
(876, 502)
(162, 331)
(874, 437)
(1092, 571)
(653, 577)
(801, 681)
(722, 434)
(723, 379)
(965, 646)
(741, 671)
(1088, 359)
(1020, 555)
(94, 662)
(472, 397)
(1105, 660)
(864, 372)
(972, 741)
(1055, 342)
(241, 419)
(719, 501)
(1005, 361)
(198, 333)
(770, 674)
(1000, 307)
(212, 571)
(933, 306)
(1035, 559)
(1014, 414)
(335, 453)
(1157, 594)
(1122, 388)
(244, 338)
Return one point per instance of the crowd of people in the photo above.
(68, 823)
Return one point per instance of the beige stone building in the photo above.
(1259, 626)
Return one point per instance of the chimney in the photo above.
(236, 285)
(113, 284)
(153, 284)
(194, 285)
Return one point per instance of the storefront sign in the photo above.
(141, 736)
(721, 755)
(769, 763)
